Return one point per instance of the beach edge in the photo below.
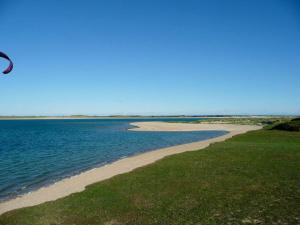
(79, 182)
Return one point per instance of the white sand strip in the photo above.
(79, 182)
(164, 126)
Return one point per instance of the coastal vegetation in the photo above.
(259, 120)
(292, 125)
(252, 178)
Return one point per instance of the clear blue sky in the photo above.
(150, 57)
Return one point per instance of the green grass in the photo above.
(253, 178)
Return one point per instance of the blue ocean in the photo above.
(35, 153)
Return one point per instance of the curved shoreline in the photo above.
(78, 183)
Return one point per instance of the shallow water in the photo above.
(34, 153)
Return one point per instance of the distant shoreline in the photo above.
(90, 117)
(134, 117)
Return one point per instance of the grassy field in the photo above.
(253, 178)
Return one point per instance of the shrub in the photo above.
(293, 125)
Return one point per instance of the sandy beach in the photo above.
(164, 126)
(79, 182)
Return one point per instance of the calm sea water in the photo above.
(34, 153)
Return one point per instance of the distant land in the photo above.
(135, 116)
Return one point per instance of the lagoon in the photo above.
(36, 153)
